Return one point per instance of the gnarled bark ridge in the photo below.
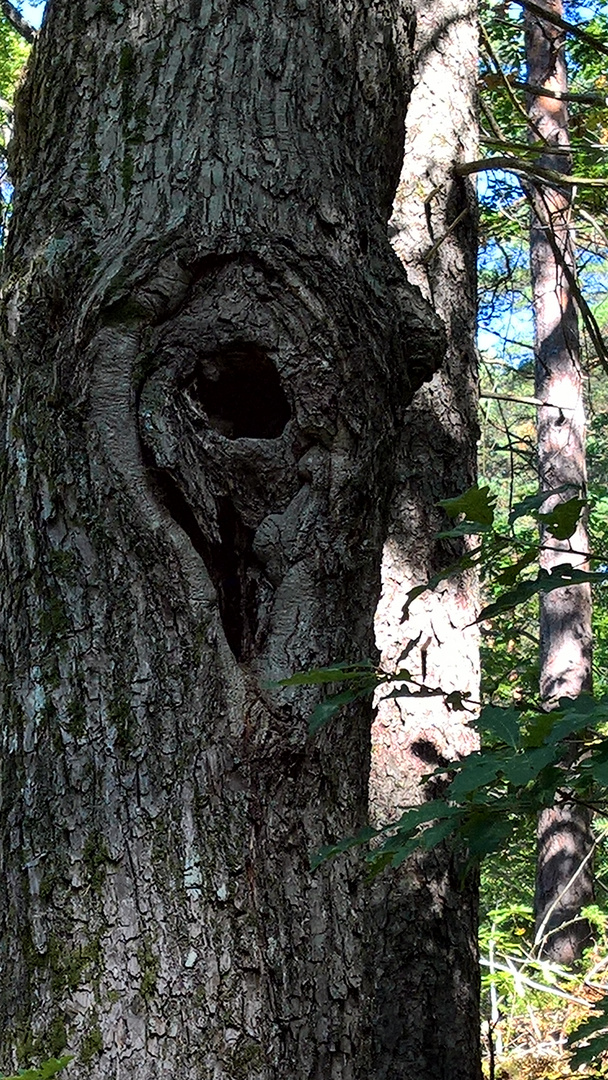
(206, 347)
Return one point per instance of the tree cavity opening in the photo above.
(239, 389)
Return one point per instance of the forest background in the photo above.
(528, 1022)
(529, 1005)
(535, 1010)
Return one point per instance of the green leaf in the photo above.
(525, 766)
(508, 600)
(574, 716)
(426, 840)
(595, 764)
(421, 692)
(340, 672)
(512, 572)
(420, 815)
(466, 528)
(475, 771)
(328, 708)
(528, 506)
(466, 562)
(485, 833)
(502, 724)
(457, 700)
(563, 519)
(560, 577)
(408, 648)
(477, 505)
(599, 772)
(330, 850)
(539, 728)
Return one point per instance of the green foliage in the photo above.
(43, 1072)
(589, 1039)
(476, 506)
(530, 758)
(14, 51)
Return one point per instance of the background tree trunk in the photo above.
(564, 833)
(426, 973)
(207, 343)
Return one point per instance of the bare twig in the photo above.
(586, 313)
(15, 18)
(485, 37)
(541, 937)
(491, 1057)
(525, 168)
(450, 229)
(592, 98)
(535, 985)
(511, 397)
(570, 28)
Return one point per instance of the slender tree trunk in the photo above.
(426, 974)
(206, 346)
(564, 833)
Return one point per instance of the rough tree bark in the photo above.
(426, 917)
(564, 833)
(207, 341)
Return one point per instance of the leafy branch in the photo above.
(530, 758)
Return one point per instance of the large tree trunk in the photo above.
(426, 916)
(207, 337)
(564, 833)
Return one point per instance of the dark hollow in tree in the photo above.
(192, 188)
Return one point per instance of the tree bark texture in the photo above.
(564, 833)
(426, 917)
(207, 345)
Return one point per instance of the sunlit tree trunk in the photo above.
(426, 975)
(564, 833)
(207, 346)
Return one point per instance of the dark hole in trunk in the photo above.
(231, 564)
(240, 390)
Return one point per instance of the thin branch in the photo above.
(561, 95)
(511, 397)
(595, 224)
(526, 148)
(541, 937)
(570, 28)
(508, 341)
(532, 982)
(585, 311)
(15, 18)
(525, 401)
(492, 121)
(505, 79)
(524, 168)
(450, 229)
